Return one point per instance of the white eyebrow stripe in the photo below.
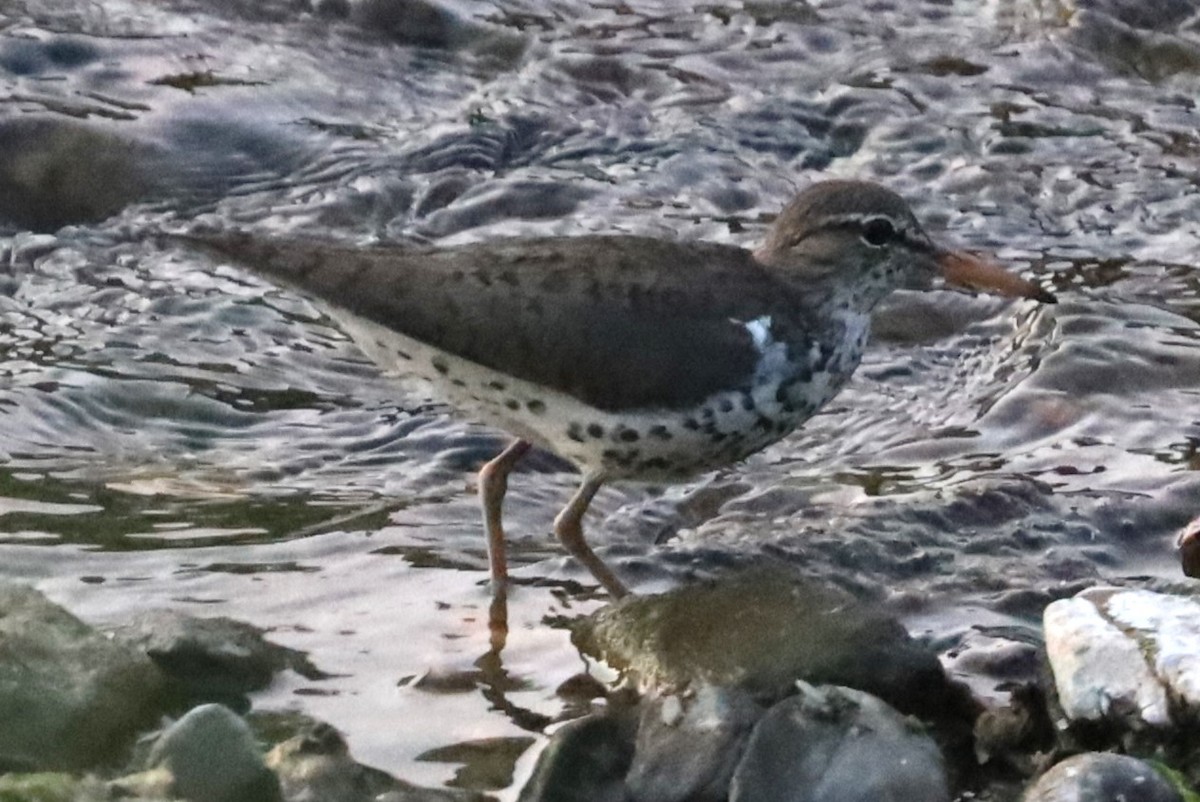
(904, 231)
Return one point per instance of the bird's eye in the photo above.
(878, 231)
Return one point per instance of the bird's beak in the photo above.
(967, 270)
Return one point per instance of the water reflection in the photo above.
(176, 435)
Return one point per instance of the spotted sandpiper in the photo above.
(633, 358)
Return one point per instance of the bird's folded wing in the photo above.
(644, 324)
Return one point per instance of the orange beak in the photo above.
(967, 270)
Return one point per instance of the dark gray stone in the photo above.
(585, 761)
(838, 745)
(1101, 777)
(688, 747)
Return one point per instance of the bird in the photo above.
(634, 358)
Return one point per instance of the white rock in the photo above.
(1170, 627)
(1121, 654)
(1099, 671)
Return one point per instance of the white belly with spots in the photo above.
(649, 444)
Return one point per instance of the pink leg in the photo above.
(493, 484)
(569, 528)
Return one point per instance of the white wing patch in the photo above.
(760, 331)
(773, 355)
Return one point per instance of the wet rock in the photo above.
(412, 22)
(212, 659)
(760, 631)
(687, 747)
(55, 171)
(1014, 731)
(585, 761)
(69, 697)
(834, 744)
(1145, 53)
(1161, 15)
(212, 756)
(1128, 658)
(992, 661)
(427, 24)
(316, 764)
(1101, 777)
(49, 787)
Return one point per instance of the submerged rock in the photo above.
(56, 171)
(1101, 777)
(839, 745)
(69, 697)
(212, 659)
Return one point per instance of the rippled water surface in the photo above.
(178, 433)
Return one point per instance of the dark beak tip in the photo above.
(1044, 296)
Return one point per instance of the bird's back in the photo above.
(565, 313)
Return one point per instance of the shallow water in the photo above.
(174, 433)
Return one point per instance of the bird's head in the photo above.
(859, 237)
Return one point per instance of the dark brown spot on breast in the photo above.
(535, 406)
(595, 430)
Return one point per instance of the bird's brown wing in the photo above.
(618, 322)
